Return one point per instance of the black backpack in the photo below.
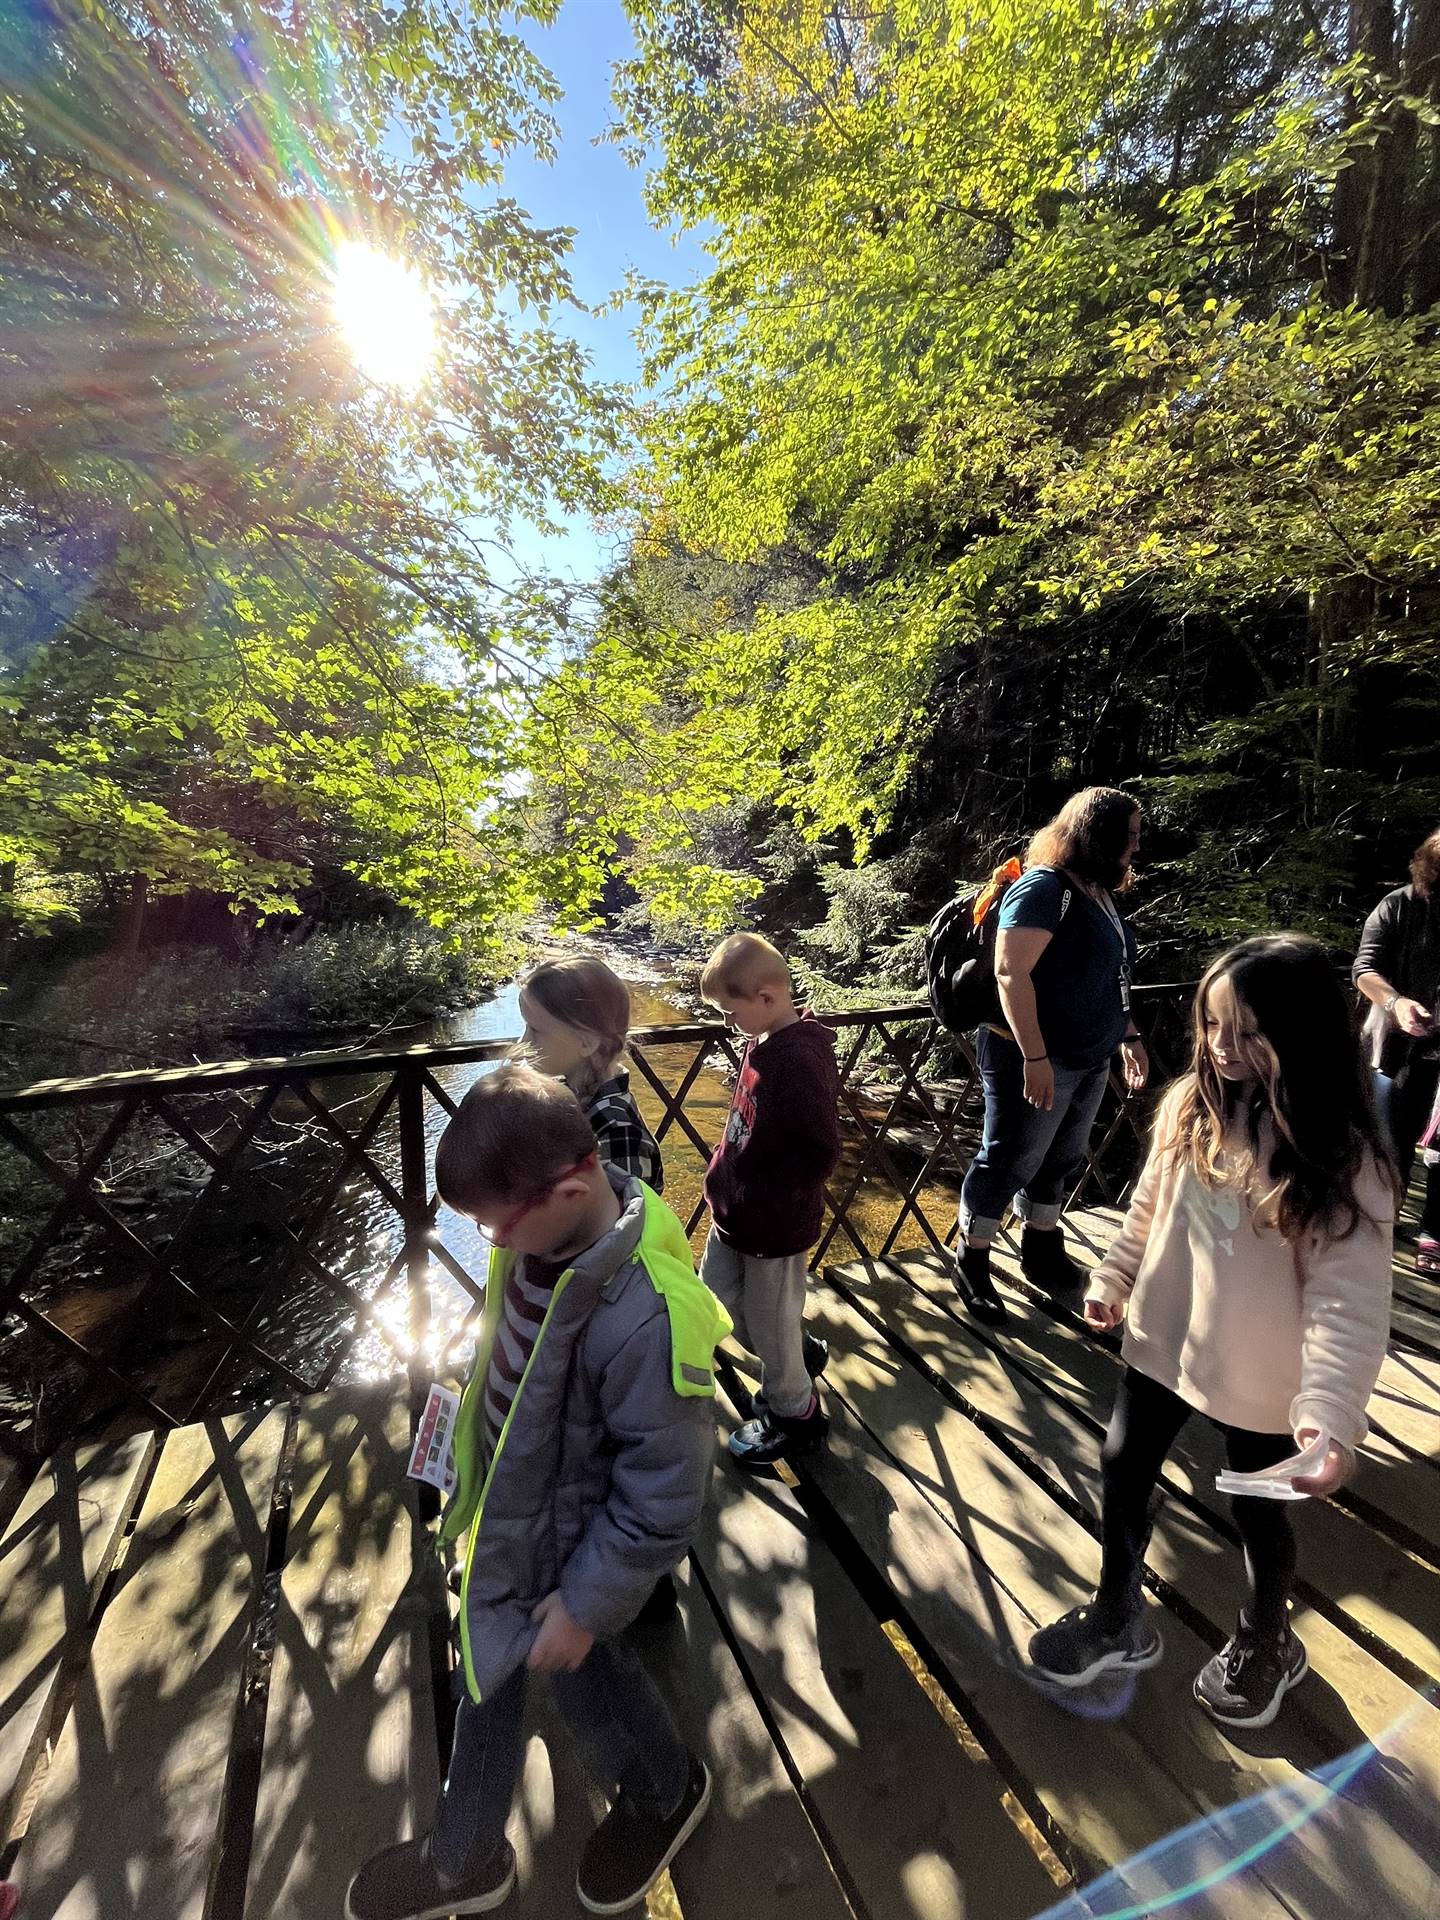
(960, 959)
(960, 965)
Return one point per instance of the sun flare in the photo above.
(386, 316)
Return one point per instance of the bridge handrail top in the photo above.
(340, 1062)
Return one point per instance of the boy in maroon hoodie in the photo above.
(766, 1189)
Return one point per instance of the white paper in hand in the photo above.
(432, 1458)
(1273, 1483)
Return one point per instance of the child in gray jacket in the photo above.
(583, 1449)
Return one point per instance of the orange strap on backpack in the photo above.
(999, 880)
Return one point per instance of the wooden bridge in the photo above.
(224, 1647)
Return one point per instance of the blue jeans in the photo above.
(626, 1735)
(1404, 1108)
(1029, 1155)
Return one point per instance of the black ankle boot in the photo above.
(1044, 1260)
(975, 1287)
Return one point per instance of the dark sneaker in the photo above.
(817, 1358)
(975, 1287)
(632, 1847)
(1045, 1262)
(760, 1443)
(399, 1883)
(660, 1604)
(1249, 1677)
(1078, 1649)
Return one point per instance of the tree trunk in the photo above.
(1422, 77)
(1377, 210)
(132, 927)
(1371, 31)
(1338, 612)
(7, 913)
(1383, 214)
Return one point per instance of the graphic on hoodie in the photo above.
(766, 1181)
(741, 1124)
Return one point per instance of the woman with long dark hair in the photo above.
(1252, 1275)
(1064, 959)
(1398, 971)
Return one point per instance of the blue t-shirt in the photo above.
(1077, 977)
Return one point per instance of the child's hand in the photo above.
(1102, 1315)
(1338, 1466)
(560, 1646)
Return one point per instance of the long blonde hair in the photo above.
(584, 994)
(1310, 1084)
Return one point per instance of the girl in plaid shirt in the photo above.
(577, 1016)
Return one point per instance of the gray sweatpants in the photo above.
(766, 1300)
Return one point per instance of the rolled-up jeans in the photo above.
(1029, 1154)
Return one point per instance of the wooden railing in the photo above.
(189, 1237)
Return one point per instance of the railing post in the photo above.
(415, 1194)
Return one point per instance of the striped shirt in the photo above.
(621, 1135)
(528, 1288)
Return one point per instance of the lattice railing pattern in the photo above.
(238, 1272)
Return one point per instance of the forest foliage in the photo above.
(262, 627)
(1062, 405)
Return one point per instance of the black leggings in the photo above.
(1144, 1426)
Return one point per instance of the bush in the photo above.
(173, 1005)
(163, 1007)
(352, 976)
(871, 912)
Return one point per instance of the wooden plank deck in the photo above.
(998, 1432)
(219, 1675)
(111, 1837)
(55, 1556)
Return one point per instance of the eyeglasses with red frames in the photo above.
(500, 1235)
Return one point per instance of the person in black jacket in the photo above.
(1398, 970)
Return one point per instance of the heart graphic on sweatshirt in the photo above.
(1226, 1207)
(1216, 1212)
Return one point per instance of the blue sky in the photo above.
(591, 188)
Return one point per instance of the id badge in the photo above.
(1124, 991)
(432, 1458)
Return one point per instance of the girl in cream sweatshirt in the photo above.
(1252, 1275)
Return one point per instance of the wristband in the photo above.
(1127, 1038)
(1391, 1002)
(1031, 1058)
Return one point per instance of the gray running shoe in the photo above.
(1078, 1649)
(1249, 1677)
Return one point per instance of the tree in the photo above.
(255, 609)
(1090, 351)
